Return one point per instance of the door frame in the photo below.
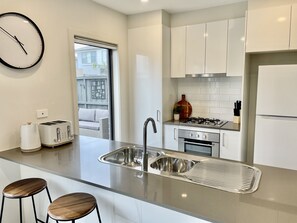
(71, 37)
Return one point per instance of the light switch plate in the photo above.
(42, 113)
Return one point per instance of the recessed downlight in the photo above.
(281, 19)
(144, 1)
(184, 195)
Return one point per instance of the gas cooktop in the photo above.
(206, 122)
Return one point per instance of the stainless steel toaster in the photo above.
(55, 133)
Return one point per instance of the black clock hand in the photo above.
(7, 32)
(11, 36)
(21, 45)
(16, 39)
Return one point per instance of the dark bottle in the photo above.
(186, 108)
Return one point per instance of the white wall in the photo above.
(148, 19)
(48, 85)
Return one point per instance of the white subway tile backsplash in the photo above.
(225, 98)
(199, 107)
(203, 97)
(229, 91)
(219, 97)
(224, 85)
(220, 110)
(234, 80)
(207, 104)
(211, 97)
(235, 98)
(226, 104)
(214, 97)
(228, 117)
(235, 85)
(210, 90)
(214, 84)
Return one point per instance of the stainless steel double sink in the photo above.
(220, 174)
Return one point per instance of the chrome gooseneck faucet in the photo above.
(145, 154)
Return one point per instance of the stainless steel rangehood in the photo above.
(207, 75)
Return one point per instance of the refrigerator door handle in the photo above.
(276, 117)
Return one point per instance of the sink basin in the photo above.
(220, 174)
(173, 164)
(129, 156)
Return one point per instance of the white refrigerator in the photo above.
(276, 117)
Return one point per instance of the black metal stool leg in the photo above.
(49, 197)
(2, 207)
(48, 194)
(21, 215)
(34, 209)
(47, 216)
(97, 210)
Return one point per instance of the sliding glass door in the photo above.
(94, 89)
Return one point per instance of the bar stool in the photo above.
(71, 207)
(24, 188)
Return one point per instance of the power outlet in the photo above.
(42, 113)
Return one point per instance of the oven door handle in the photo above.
(198, 144)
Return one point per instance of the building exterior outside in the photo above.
(92, 76)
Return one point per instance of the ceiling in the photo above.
(129, 7)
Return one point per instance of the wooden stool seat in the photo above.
(71, 207)
(24, 188)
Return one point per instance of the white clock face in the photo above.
(21, 42)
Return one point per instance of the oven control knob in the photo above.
(204, 136)
(198, 136)
(191, 134)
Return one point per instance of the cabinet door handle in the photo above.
(223, 139)
(158, 115)
(174, 133)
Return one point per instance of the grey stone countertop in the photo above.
(230, 126)
(275, 201)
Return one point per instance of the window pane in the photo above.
(93, 89)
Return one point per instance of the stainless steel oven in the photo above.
(199, 143)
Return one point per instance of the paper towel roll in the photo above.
(30, 139)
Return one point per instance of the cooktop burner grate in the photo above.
(205, 121)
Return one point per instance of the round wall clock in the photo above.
(21, 42)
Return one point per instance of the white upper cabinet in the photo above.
(178, 51)
(208, 48)
(236, 47)
(293, 39)
(216, 47)
(195, 49)
(268, 29)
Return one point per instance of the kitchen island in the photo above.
(75, 166)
